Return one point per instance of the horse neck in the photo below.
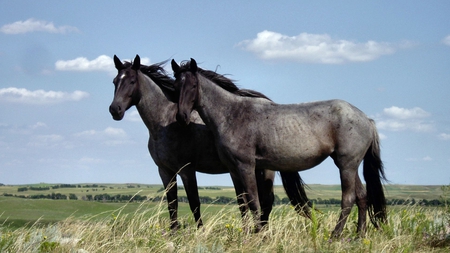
(214, 104)
(154, 108)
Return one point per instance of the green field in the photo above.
(16, 212)
(314, 191)
(45, 225)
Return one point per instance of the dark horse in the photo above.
(253, 133)
(173, 146)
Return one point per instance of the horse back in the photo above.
(301, 136)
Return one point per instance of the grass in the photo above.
(411, 229)
(16, 212)
(28, 225)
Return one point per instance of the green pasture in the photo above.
(16, 212)
(314, 191)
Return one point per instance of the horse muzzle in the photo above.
(116, 111)
(183, 118)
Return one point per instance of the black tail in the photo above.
(373, 172)
(295, 190)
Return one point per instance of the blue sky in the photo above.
(391, 59)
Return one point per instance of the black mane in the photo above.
(224, 82)
(158, 74)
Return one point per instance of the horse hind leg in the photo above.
(361, 202)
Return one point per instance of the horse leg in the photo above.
(191, 188)
(264, 179)
(170, 184)
(240, 196)
(348, 197)
(251, 189)
(361, 202)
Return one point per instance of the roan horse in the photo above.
(173, 146)
(253, 133)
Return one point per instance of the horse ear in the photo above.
(118, 63)
(193, 65)
(175, 66)
(136, 63)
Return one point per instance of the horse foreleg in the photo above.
(170, 184)
(240, 196)
(191, 188)
(251, 189)
(348, 199)
(264, 179)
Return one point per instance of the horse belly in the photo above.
(293, 150)
(288, 160)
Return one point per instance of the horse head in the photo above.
(126, 91)
(186, 83)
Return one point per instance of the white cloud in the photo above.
(446, 40)
(101, 63)
(133, 116)
(315, 48)
(51, 140)
(117, 132)
(402, 113)
(427, 158)
(402, 119)
(110, 136)
(38, 125)
(21, 95)
(33, 25)
(109, 131)
(444, 136)
(424, 159)
(91, 160)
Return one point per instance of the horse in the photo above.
(177, 149)
(287, 137)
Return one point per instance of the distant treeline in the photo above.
(46, 188)
(390, 202)
(45, 196)
(53, 187)
(181, 188)
(208, 200)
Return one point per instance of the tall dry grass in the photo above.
(410, 229)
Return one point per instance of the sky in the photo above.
(391, 59)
